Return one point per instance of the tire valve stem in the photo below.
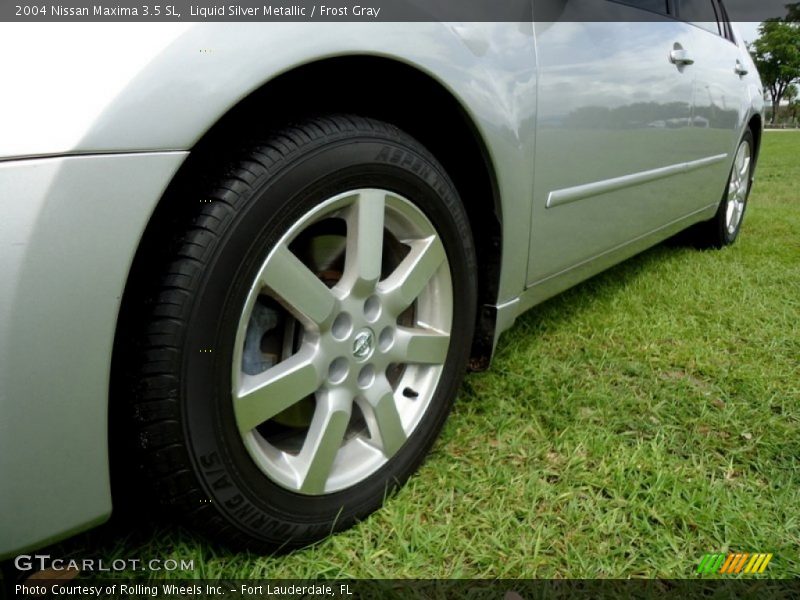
(409, 393)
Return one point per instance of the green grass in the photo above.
(626, 428)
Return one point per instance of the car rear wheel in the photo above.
(308, 335)
(723, 229)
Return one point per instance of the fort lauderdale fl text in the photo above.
(205, 12)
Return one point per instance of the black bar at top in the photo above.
(358, 10)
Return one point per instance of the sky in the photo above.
(749, 30)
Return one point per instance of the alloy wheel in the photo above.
(738, 188)
(342, 341)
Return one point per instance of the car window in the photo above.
(657, 6)
(702, 13)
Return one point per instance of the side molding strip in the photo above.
(580, 192)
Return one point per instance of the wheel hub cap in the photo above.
(363, 344)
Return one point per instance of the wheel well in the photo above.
(756, 127)
(374, 87)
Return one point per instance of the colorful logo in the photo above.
(732, 564)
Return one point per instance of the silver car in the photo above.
(250, 263)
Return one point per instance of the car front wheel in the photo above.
(307, 336)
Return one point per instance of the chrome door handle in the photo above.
(740, 69)
(680, 57)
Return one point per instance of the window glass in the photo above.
(699, 12)
(656, 6)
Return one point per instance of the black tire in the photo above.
(179, 381)
(715, 233)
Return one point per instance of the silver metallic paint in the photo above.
(69, 231)
(587, 190)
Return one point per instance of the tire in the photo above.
(723, 228)
(295, 363)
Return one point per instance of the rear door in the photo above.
(614, 130)
(720, 98)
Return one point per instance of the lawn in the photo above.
(626, 428)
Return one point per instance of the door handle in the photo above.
(680, 57)
(740, 69)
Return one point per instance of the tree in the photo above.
(791, 95)
(777, 55)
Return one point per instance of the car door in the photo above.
(614, 130)
(720, 96)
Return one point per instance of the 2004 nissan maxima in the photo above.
(271, 251)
